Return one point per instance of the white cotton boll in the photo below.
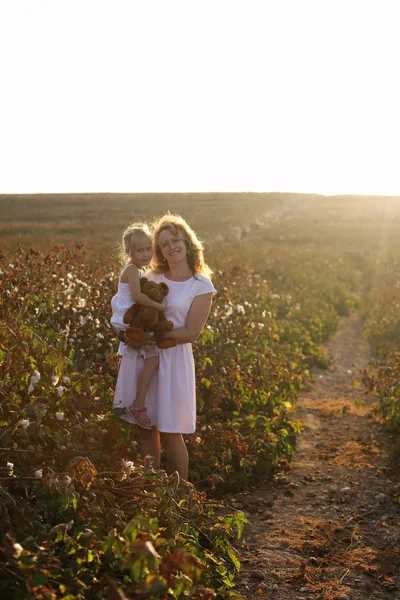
(228, 310)
(66, 380)
(35, 376)
(60, 416)
(81, 303)
(240, 309)
(25, 423)
(39, 474)
(127, 466)
(18, 549)
(71, 341)
(100, 336)
(10, 465)
(60, 390)
(54, 380)
(67, 479)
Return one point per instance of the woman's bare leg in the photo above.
(149, 444)
(176, 453)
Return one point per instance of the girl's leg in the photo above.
(149, 444)
(137, 409)
(176, 453)
(143, 381)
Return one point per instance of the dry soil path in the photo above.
(329, 528)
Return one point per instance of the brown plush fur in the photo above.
(142, 319)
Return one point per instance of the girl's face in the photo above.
(173, 247)
(142, 252)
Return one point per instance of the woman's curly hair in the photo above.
(178, 227)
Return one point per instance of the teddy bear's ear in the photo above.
(143, 280)
(164, 288)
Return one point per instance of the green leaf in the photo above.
(206, 382)
(233, 555)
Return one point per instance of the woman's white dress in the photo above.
(171, 398)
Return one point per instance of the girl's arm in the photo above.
(195, 321)
(134, 286)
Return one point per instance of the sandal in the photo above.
(139, 416)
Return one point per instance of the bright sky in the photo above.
(205, 95)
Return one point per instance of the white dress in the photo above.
(120, 303)
(171, 397)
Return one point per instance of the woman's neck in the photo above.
(179, 271)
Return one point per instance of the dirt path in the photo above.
(330, 527)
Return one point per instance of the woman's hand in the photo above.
(148, 338)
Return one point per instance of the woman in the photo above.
(178, 261)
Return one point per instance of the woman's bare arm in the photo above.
(133, 277)
(195, 321)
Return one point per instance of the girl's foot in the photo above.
(139, 415)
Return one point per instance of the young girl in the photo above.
(136, 251)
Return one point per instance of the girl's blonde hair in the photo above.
(130, 236)
(178, 227)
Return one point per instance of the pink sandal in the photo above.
(139, 416)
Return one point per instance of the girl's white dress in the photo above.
(120, 303)
(171, 397)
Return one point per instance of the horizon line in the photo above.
(105, 193)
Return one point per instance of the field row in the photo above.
(381, 310)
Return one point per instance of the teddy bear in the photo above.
(142, 319)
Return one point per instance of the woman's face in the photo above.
(173, 246)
